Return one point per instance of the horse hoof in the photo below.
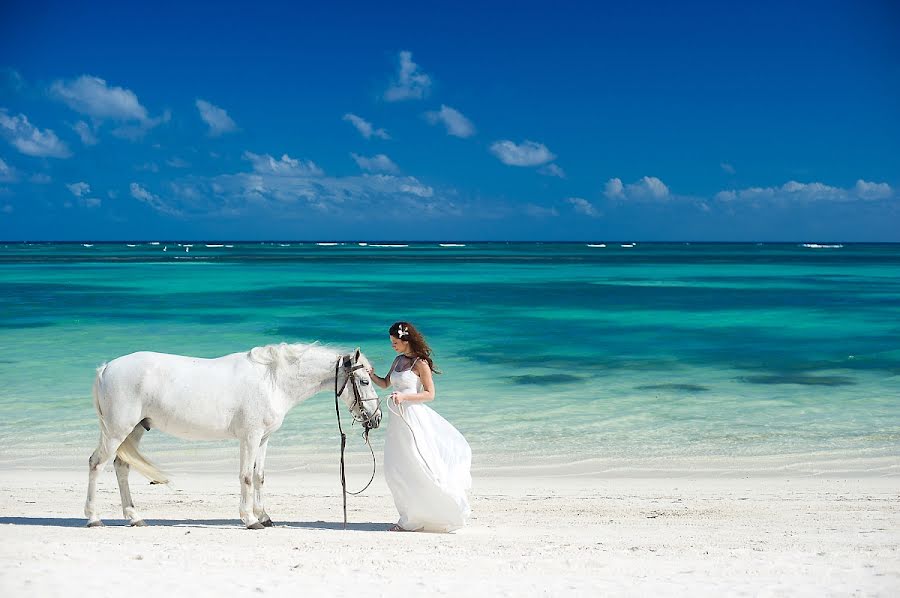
(95, 524)
(256, 525)
(139, 523)
(267, 523)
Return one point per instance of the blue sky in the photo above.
(502, 120)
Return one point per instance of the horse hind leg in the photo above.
(122, 470)
(96, 464)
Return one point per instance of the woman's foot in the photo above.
(396, 528)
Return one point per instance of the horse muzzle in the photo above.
(374, 421)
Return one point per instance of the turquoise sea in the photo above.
(606, 357)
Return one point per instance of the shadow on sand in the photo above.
(201, 523)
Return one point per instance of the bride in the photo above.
(426, 460)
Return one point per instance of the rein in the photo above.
(356, 401)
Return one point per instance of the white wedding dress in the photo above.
(426, 463)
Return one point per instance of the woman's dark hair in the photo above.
(418, 346)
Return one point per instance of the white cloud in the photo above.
(536, 211)
(294, 194)
(365, 128)
(177, 162)
(286, 166)
(645, 188)
(411, 83)
(552, 170)
(377, 163)
(85, 132)
(727, 167)
(7, 173)
(583, 206)
(648, 187)
(414, 187)
(40, 179)
(217, 118)
(153, 200)
(453, 120)
(140, 193)
(93, 97)
(136, 132)
(79, 189)
(794, 191)
(30, 140)
(866, 190)
(91, 202)
(527, 153)
(614, 189)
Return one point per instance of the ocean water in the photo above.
(557, 357)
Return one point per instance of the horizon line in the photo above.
(425, 241)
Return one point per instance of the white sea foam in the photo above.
(327, 244)
(820, 246)
(154, 242)
(628, 244)
(596, 244)
(452, 244)
(362, 244)
(208, 245)
(130, 245)
(87, 245)
(388, 245)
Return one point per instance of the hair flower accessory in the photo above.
(401, 332)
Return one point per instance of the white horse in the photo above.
(243, 396)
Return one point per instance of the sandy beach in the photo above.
(529, 536)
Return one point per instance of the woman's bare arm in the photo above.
(378, 380)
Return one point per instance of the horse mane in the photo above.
(279, 356)
(273, 355)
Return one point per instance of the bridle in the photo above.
(358, 416)
(358, 401)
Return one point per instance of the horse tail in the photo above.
(128, 450)
(104, 430)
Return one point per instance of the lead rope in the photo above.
(337, 410)
(343, 440)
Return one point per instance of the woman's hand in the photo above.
(398, 397)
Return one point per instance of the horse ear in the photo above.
(356, 355)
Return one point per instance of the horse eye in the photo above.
(364, 382)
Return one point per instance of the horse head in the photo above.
(355, 388)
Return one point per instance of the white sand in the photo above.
(566, 536)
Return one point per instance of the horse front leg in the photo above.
(259, 479)
(249, 452)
